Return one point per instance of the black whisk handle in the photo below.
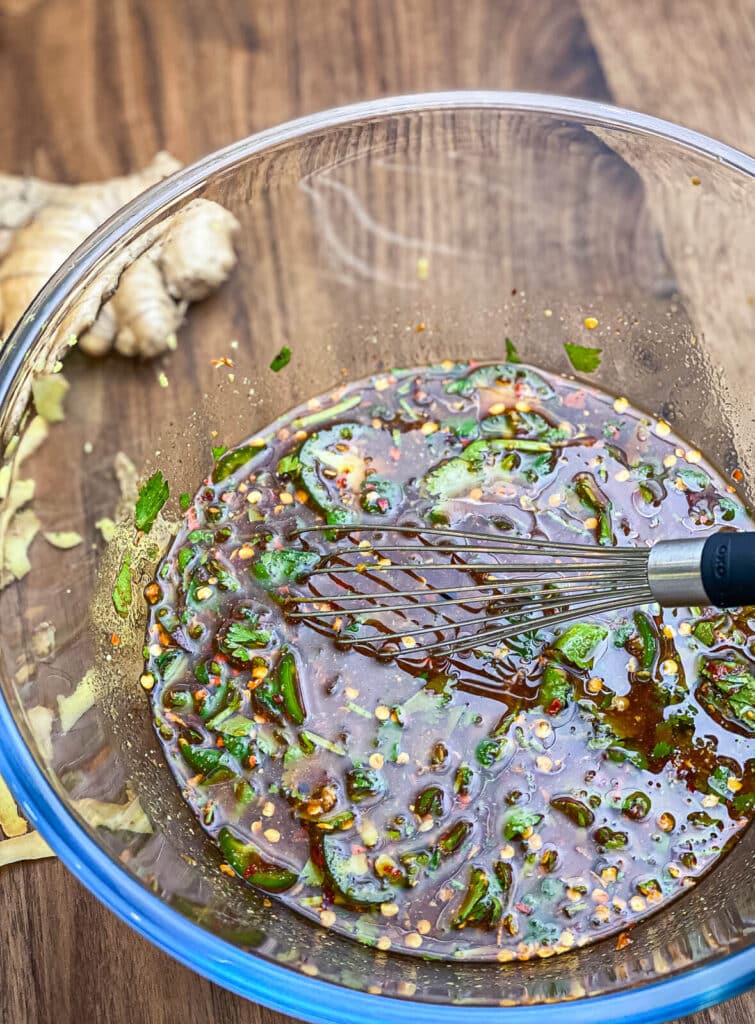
(727, 569)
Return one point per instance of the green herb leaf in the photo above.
(287, 565)
(152, 497)
(311, 874)
(583, 358)
(122, 593)
(580, 642)
(663, 749)
(512, 356)
(622, 634)
(218, 450)
(729, 688)
(744, 803)
(517, 822)
(282, 359)
(694, 479)
(718, 782)
(241, 639)
(288, 464)
(705, 632)
(184, 501)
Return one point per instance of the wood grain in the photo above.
(92, 89)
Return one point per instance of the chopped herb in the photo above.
(580, 643)
(274, 568)
(122, 592)
(152, 496)
(282, 359)
(663, 749)
(289, 464)
(705, 632)
(518, 821)
(512, 356)
(184, 501)
(218, 450)
(583, 358)
(241, 640)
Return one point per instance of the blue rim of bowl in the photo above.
(274, 985)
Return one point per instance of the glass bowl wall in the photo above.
(395, 233)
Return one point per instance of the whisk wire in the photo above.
(519, 584)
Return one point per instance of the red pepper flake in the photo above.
(524, 908)
(227, 870)
(737, 475)
(252, 762)
(115, 640)
(623, 941)
(395, 454)
(152, 593)
(419, 328)
(223, 361)
(220, 742)
(554, 707)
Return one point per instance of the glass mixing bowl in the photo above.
(479, 216)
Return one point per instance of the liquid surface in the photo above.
(511, 800)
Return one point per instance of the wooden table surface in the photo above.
(90, 89)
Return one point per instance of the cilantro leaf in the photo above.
(705, 632)
(184, 501)
(241, 639)
(218, 450)
(663, 749)
(152, 497)
(288, 464)
(744, 803)
(424, 701)
(583, 358)
(512, 356)
(282, 359)
(518, 821)
(122, 592)
(284, 566)
(622, 634)
(580, 642)
(718, 782)
(694, 479)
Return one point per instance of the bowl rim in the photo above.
(274, 985)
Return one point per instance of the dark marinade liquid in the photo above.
(510, 801)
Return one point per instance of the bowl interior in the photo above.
(381, 239)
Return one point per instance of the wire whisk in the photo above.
(388, 590)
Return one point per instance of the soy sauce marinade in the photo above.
(508, 802)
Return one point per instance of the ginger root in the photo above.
(134, 304)
(41, 223)
(192, 259)
(138, 299)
